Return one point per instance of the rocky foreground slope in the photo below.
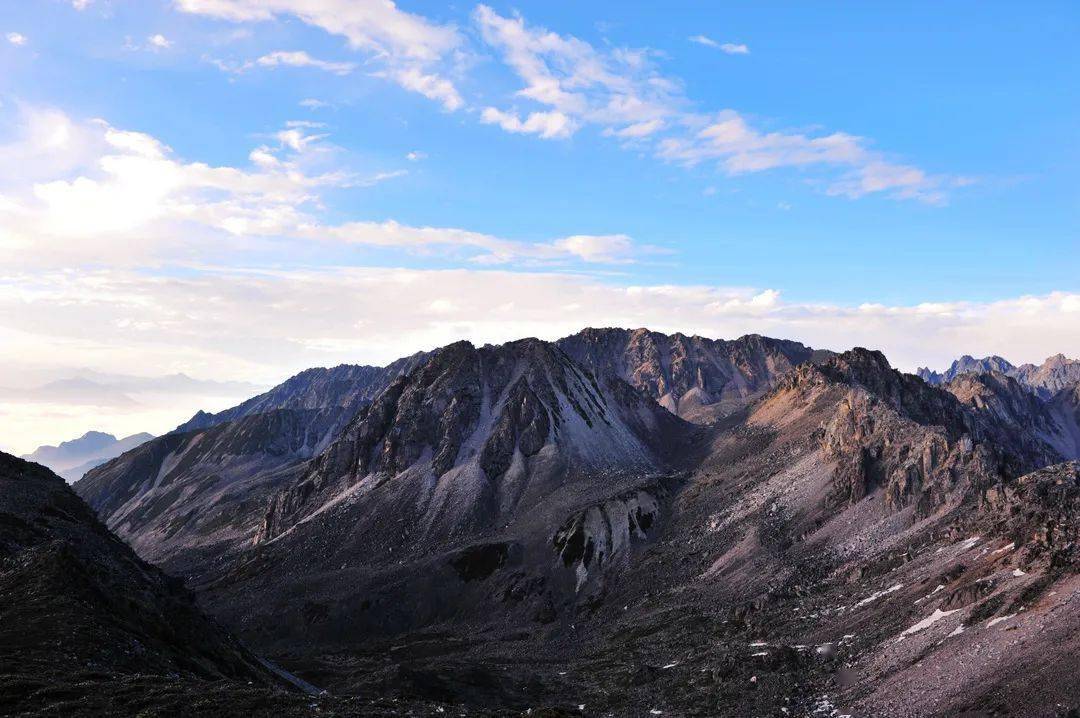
(538, 526)
(81, 614)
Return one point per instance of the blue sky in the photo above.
(904, 177)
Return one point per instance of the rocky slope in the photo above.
(78, 607)
(696, 378)
(202, 489)
(485, 430)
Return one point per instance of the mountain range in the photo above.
(1053, 375)
(625, 522)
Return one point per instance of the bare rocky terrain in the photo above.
(627, 523)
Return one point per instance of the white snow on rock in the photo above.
(1018, 573)
(968, 543)
(922, 625)
(994, 621)
(875, 596)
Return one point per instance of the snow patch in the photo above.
(994, 621)
(875, 596)
(922, 625)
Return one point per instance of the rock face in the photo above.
(77, 604)
(695, 378)
(72, 459)
(484, 430)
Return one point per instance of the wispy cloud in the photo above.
(730, 48)
(17, 39)
(548, 125)
(738, 148)
(410, 47)
(568, 84)
(299, 58)
(622, 91)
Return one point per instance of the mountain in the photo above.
(1053, 375)
(693, 377)
(83, 620)
(203, 486)
(526, 526)
(345, 387)
(72, 459)
(1056, 373)
(967, 364)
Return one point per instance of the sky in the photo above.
(199, 198)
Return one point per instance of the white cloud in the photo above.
(120, 197)
(416, 156)
(481, 248)
(410, 46)
(262, 325)
(17, 39)
(739, 148)
(617, 88)
(430, 85)
(80, 4)
(159, 42)
(299, 58)
(572, 84)
(545, 124)
(313, 104)
(80, 191)
(621, 91)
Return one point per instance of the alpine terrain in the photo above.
(621, 523)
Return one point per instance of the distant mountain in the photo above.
(71, 459)
(966, 364)
(1056, 373)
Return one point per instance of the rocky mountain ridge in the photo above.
(693, 377)
(526, 525)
